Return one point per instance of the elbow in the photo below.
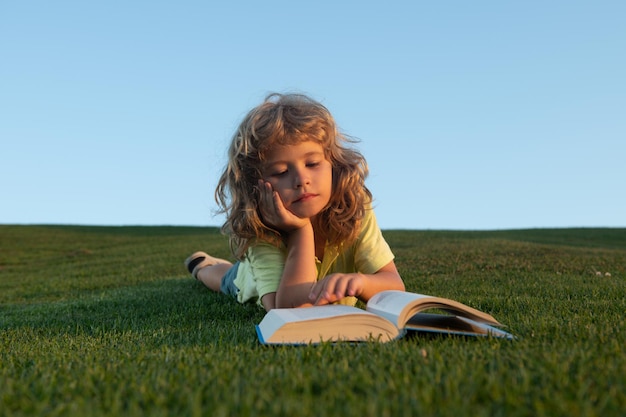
(401, 286)
(283, 301)
(276, 300)
(294, 296)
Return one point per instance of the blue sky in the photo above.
(472, 115)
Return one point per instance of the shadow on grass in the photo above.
(172, 311)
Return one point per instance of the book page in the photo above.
(453, 325)
(311, 313)
(389, 304)
(399, 306)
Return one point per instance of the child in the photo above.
(299, 215)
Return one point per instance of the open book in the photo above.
(388, 316)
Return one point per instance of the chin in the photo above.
(306, 214)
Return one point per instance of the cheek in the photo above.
(285, 197)
(330, 178)
(279, 186)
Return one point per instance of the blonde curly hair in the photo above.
(286, 119)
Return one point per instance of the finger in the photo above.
(266, 192)
(315, 291)
(341, 285)
(354, 288)
(279, 206)
(333, 290)
(266, 202)
(323, 300)
(318, 293)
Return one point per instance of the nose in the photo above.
(300, 178)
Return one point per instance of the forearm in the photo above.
(300, 272)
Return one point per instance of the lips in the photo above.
(304, 197)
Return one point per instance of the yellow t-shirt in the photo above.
(260, 271)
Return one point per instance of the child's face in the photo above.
(301, 175)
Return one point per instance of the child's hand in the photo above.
(274, 213)
(334, 287)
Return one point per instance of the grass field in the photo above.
(104, 321)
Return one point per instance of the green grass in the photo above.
(104, 321)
